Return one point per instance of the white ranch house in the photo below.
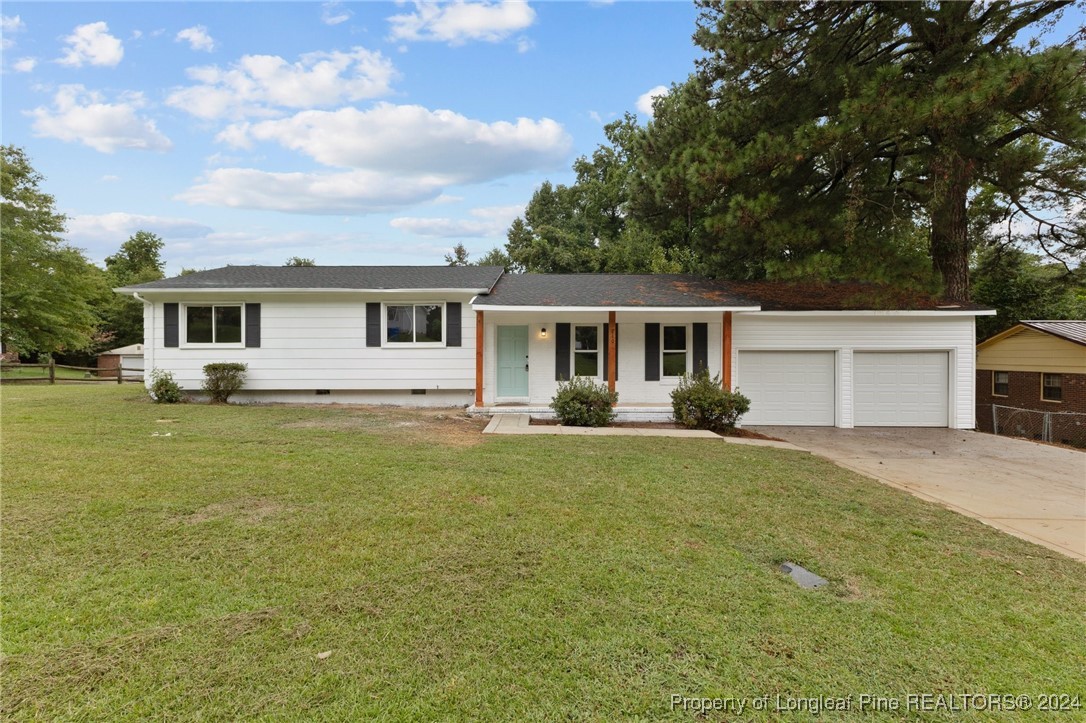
(478, 337)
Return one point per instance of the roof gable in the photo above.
(1072, 330)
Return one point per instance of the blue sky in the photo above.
(351, 133)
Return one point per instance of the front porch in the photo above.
(623, 412)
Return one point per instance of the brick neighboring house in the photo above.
(1031, 382)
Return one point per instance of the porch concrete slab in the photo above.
(521, 424)
(1034, 491)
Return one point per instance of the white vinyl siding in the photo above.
(318, 341)
(788, 387)
(901, 389)
(851, 335)
(631, 385)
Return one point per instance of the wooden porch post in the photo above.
(478, 358)
(612, 351)
(726, 359)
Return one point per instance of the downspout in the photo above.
(151, 346)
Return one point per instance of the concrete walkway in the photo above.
(1033, 491)
(521, 424)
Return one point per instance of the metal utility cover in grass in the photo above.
(802, 576)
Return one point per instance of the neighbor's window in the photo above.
(213, 324)
(674, 351)
(1001, 383)
(1051, 387)
(414, 323)
(586, 351)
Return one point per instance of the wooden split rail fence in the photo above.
(49, 374)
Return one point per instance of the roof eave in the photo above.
(274, 290)
(882, 312)
(611, 307)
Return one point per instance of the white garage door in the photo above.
(906, 389)
(788, 387)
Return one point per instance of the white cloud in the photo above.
(412, 140)
(10, 25)
(488, 222)
(333, 13)
(644, 101)
(352, 192)
(92, 43)
(524, 45)
(109, 178)
(459, 22)
(24, 65)
(82, 116)
(197, 37)
(102, 234)
(118, 226)
(256, 84)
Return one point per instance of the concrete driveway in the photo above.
(1034, 491)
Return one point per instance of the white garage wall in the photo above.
(310, 342)
(866, 331)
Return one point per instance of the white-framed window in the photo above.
(416, 324)
(219, 324)
(586, 350)
(675, 351)
(1001, 384)
(1052, 387)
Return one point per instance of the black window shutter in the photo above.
(169, 328)
(701, 347)
(252, 325)
(561, 352)
(652, 352)
(373, 324)
(452, 321)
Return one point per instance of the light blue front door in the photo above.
(512, 361)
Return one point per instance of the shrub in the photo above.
(223, 379)
(700, 402)
(581, 402)
(164, 390)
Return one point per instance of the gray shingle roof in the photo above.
(618, 290)
(331, 278)
(1071, 330)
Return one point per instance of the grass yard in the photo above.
(196, 561)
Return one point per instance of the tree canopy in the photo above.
(835, 124)
(49, 289)
(137, 261)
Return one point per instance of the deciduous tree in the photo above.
(48, 288)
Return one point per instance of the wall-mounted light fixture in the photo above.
(543, 333)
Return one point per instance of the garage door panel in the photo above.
(788, 387)
(901, 389)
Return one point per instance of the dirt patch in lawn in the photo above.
(738, 432)
(449, 426)
(248, 510)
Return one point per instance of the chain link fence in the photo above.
(1060, 427)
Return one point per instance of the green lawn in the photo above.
(192, 561)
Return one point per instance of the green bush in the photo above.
(583, 403)
(164, 390)
(223, 379)
(700, 402)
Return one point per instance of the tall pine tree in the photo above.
(841, 123)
